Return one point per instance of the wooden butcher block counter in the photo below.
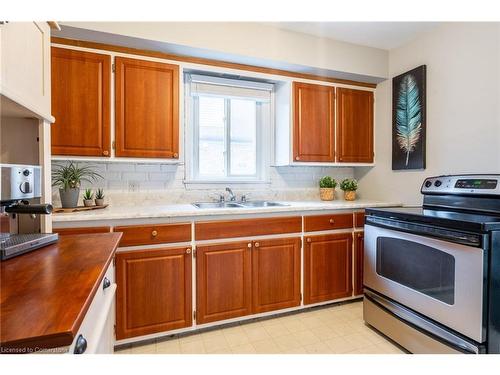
(46, 294)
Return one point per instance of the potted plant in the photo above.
(99, 197)
(327, 188)
(349, 186)
(88, 198)
(68, 178)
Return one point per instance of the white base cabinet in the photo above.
(96, 334)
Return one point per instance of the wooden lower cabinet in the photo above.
(327, 267)
(275, 274)
(223, 286)
(249, 277)
(153, 291)
(359, 249)
(81, 230)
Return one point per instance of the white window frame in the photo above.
(263, 140)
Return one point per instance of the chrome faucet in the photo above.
(232, 197)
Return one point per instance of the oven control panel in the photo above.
(462, 184)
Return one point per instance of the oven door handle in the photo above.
(423, 324)
(469, 239)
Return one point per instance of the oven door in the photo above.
(440, 279)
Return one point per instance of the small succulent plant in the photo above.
(349, 184)
(99, 194)
(327, 182)
(88, 195)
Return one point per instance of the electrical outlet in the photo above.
(133, 186)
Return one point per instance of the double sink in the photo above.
(249, 204)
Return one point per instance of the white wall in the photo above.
(463, 109)
(254, 40)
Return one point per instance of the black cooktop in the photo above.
(452, 219)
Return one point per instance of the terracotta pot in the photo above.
(349, 195)
(99, 201)
(88, 202)
(327, 194)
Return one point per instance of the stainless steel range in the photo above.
(432, 273)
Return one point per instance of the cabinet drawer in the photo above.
(327, 222)
(81, 230)
(134, 235)
(359, 219)
(210, 230)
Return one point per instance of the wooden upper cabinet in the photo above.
(223, 281)
(313, 123)
(327, 267)
(276, 274)
(146, 109)
(80, 103)
(359, 250)
(354, 126)
(154, 291)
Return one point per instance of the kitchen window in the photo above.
(229, 126)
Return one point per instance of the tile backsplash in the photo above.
(134, 183)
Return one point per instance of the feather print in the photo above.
(408, 116)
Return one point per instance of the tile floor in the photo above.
(339, 329)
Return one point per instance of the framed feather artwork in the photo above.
(408, 119)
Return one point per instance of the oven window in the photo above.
(419, 267)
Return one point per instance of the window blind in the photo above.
(229, 88)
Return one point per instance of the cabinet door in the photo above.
(223, 286)
(327, 267)
(276, 274)
(354, 126)
(146, 109)
(80, 103)
(313, 123)
(25, 64)
(359, 249)
(154, 291)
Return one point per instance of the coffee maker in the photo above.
(18, 185)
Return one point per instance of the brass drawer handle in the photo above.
(332, 221)
(308, 240)
(188, 251)
(154, 233)
(257, 244)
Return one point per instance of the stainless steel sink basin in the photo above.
(217, 205)
(249, 204)
(263, 204)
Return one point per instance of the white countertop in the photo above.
(187, 210)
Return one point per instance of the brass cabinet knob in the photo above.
(176, 155)
(105, 152)
(308, 240)
(188, 250)
(297, 158)
(257, 244)
(154, 233)
(332, 221)
(249, 245)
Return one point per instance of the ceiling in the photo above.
(383, 35)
